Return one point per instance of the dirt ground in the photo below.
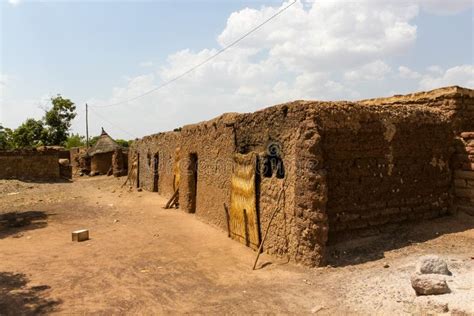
(142, 259)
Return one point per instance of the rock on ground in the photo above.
(432, 265)
(429, 284)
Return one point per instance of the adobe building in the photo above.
(106, 156)
(324, 171)
(37, 164)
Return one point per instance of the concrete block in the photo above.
(80, 235)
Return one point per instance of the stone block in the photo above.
(80, 235)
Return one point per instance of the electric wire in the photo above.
(222, 50)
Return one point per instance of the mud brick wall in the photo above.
(456, 103)
(101, 163)
(213, 142)
(29, 165)
(163, 144)
(350, 168)
(464, 173)
(385, 164)
(298, 230)
(76, 154)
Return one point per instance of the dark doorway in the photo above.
(193, 181)
(156, 175)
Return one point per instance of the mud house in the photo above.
(323, 170)
(38, 164)
(106, 156)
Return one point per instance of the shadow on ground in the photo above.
(53, 180)
(351, 251)
(15, 223)
(16, 298)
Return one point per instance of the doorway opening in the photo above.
(156, 175)
(193, 181)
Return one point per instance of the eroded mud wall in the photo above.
(456, 103)
(298, 194)
(29, 164)
(211, 146)
(164, 145)
(463, 164)
(385, 164)
(101, 163)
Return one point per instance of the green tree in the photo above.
(122, 142)
(75, 140)
(29, 134)
(93, 140)
(5, 138)
(58, 120)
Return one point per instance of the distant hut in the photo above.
(101, 154)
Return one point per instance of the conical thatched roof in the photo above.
(105, 144)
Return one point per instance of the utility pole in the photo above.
(87, 127)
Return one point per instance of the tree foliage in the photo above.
(75, 140)
(5, 138)
(93, 140)
(29, 134)
(58, 120)
(51, 130)
(122, 142)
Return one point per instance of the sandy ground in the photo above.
(142, 259)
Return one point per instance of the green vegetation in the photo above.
(51, 130)
(58, 120)
(5, 138)
(75, 140)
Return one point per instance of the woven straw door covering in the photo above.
(243, 216)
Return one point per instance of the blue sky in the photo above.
(108, 51)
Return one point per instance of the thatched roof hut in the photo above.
(102, 154)
(104, 145)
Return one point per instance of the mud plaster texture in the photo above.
(29, 165)
(101, 163)
(463, 163)
(350, 168)
(164, 146)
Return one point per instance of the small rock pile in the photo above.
(430, 276)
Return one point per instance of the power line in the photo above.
(112, 124)
(201, 63)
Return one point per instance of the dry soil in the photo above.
(142, 259)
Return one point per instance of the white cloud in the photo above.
(376, 70)
(407, 73)
(435, 69)
(326, 50)
(459, 75)
(330, 34)
(14, 2)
